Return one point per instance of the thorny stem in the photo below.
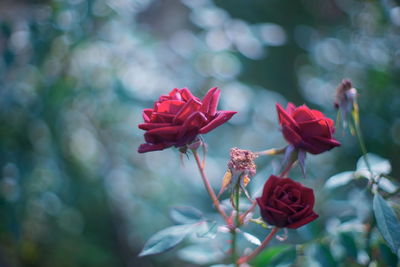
(253, 206)
(209, 188)
(287, 168)
(260, 248)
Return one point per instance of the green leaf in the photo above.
(378, 164)
(284, 259)
(201, 254)
(339, 179)
(388, 223)
(266, 256)
(185, 215)
(208, 230)
(324, 256)
(166, 239)
(349, 244)
(251, 238)
(387, 256)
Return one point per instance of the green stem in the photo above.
(237, 224)
(362, 144)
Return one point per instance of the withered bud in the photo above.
(242, 161)
(346, 95)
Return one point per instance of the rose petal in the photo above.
(301, 213)
(307, 196)
(210, 101)
(157, 117)
(147, 114)
(169, 106)
(162, 134)
(187, 138)
(315, 128)
(220, 118)
(291, 136)
(191, 106)
(279, 217)
(290, 108)
(270, 184)
(317, 114)
(330, 141)
(175, 94)
(284, 117)
(281, 205)
(187, 95)
(302, 114)
(303, 221)
(150, 126)
(194, 121)
(317, 144)
(143, 148)
(214, 103)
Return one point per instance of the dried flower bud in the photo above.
(346, 100)
(242, 161)
(241, 168)
(346, 95)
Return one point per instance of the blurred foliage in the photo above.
(75, 74)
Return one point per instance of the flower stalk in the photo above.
(236, 193)
(259, 248)
(208, 187)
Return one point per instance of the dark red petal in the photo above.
(150, 125)
(330, 141)
(143, 148)
(147, 114)
(191, 106)
(175, 94)
(307, 196)
(269, 187)
(284, 117)
(214, 104)
(315, 128)
(317, 145)
(317, 114)
(290, 108)
(285, 207)
(158, 135)
(162, 117)
(210, 101)
(187, 95)
(303, 113)
(220, 118)
(194, 121)
(303, 221)
(280, 218)
(291, 135)
(265, 214)
(304, 212)
(170, 106)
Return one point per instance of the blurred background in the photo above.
(75, 75)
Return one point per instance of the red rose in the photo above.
(307, 129)
(177, 119)
(286, 203)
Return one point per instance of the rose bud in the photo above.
(306, 129)
(286, 203)
(179, 117)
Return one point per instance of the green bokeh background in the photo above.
(75, 75)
